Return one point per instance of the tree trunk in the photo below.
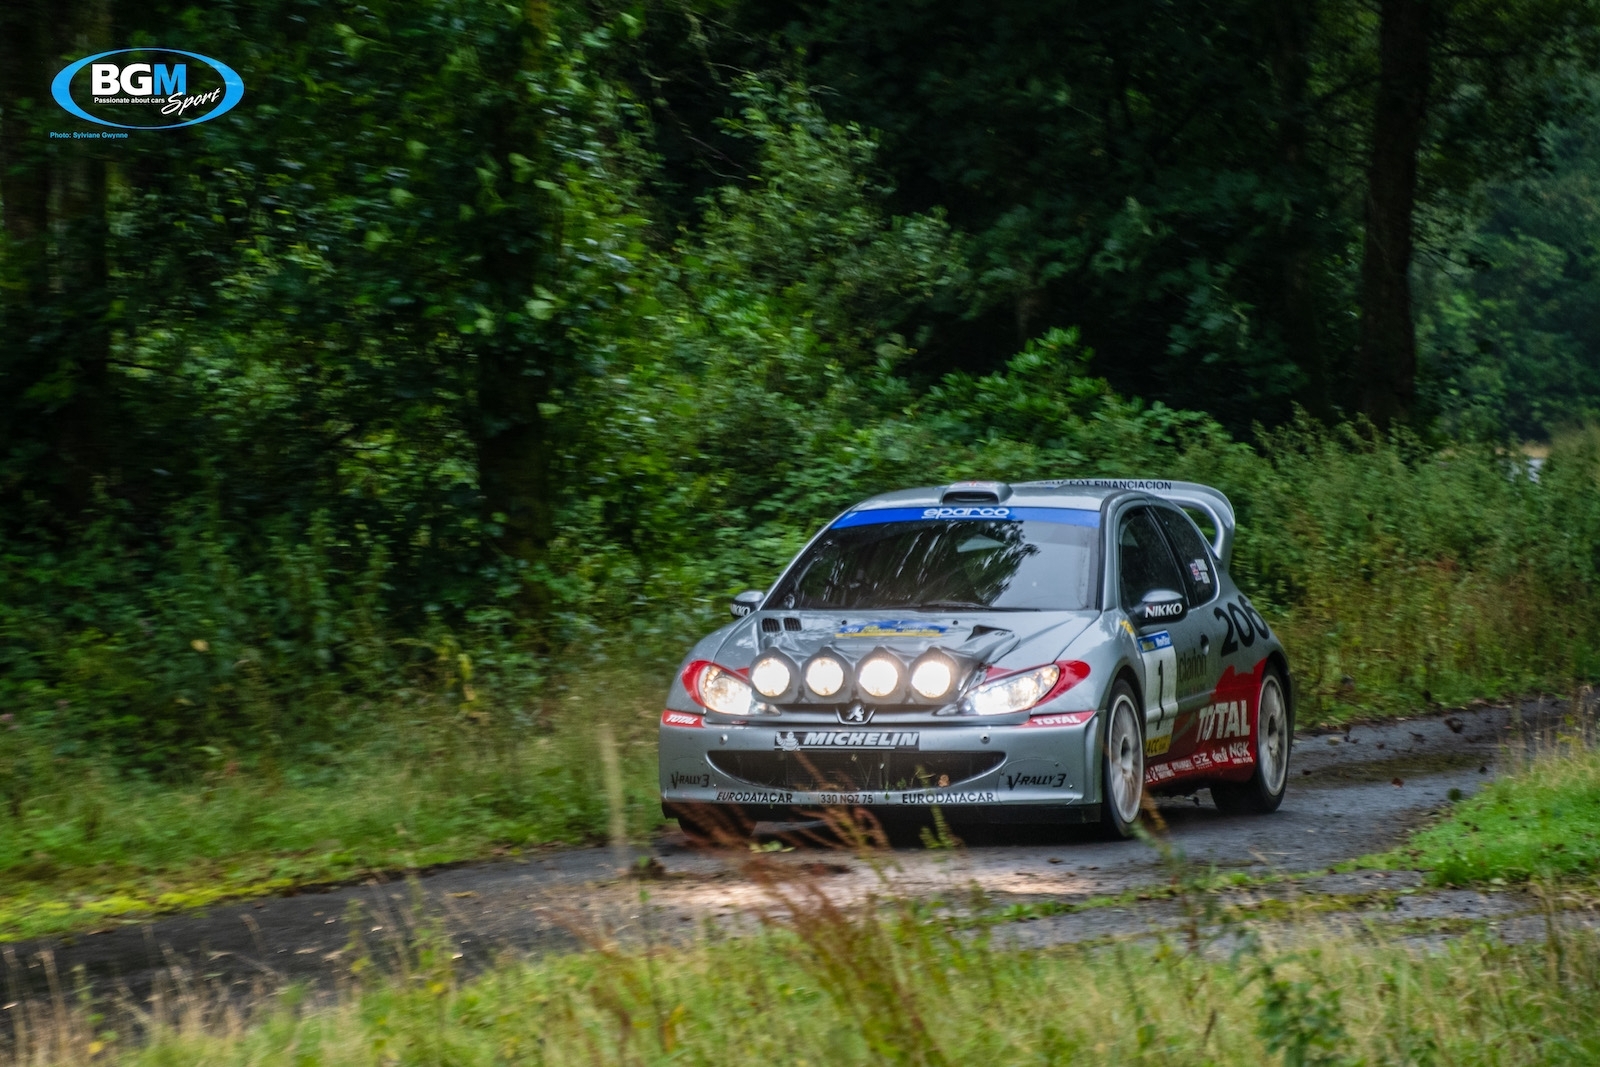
(1387, 361)
(513, 456)
(516, 368)
(56, 315)
(1291, 24)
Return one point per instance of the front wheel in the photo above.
(1264, 791)
(1121, 764)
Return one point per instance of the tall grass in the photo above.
(893, 984)
(1403, 577)
(80, 842)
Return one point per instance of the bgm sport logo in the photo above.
(148, 88)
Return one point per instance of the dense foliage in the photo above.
(480, 334)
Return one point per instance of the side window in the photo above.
(1143, 562)
(1194, 559)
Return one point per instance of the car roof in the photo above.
(1057, 493)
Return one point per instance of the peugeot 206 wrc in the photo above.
(1045, 651)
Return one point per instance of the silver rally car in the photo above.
(1040, 652)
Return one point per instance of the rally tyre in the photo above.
(712, 824)
(1121, 764)
(1274, 733)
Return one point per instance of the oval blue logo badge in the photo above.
(157, 85)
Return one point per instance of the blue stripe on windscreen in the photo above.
(992, 512)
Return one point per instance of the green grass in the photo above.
(84, 847)
(1540, 824)
(900, 985)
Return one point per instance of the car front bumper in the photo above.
(1046, 762)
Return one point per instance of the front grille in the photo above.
(855, 771)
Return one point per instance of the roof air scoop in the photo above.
(975, 493)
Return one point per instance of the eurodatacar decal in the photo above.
(146, 89)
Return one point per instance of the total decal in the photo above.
(146, 89)
(1228, 715)
(682, 718)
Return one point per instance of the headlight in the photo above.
(771, 677)
(825, 676)
(933, 677)
(719, 689)
(879, 676)
(1024, 689)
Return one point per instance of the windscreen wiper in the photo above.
(960, 605)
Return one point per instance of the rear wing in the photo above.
(1202, 498)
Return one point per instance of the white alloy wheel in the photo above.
(1122, 765)
(1272, 735)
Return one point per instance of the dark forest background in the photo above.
(483, 340)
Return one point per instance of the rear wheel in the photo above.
(1121, 764)
(1264, 791)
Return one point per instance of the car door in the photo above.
(1200, 668)
(1146, 565)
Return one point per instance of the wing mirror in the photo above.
(1159, 606)
(746, 602)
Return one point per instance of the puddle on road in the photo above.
(1386, 769)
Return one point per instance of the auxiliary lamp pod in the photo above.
(880, 676)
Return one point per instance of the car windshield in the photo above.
(1037, 564)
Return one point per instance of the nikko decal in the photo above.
(892, 628)
(147, 88)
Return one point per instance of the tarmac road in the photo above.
(1351, 793)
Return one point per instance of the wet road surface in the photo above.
(1352, 792)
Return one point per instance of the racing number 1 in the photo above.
(1161, 683)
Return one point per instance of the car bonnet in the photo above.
(983, 637)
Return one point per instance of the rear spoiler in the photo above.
(1201, 498)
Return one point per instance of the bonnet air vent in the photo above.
(791, 624)
(975, 493)
(770, 626)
